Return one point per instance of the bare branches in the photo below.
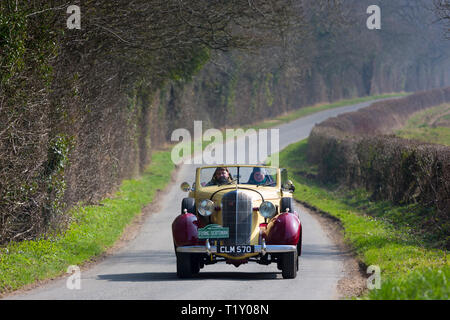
(56, 83)
(442, 9)
(87, 83)
(61, 7)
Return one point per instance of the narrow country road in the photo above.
(145, 268)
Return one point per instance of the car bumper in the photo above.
(263, 249)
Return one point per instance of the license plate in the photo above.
(240, 249)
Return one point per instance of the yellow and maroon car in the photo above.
(245, 215)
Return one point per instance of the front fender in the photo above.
(185, 230)
(283, 229)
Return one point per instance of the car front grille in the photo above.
(237, 216)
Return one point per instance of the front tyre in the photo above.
(195, 264)
(299, 244)
(188, 204)
(185, 265)
(286, 203)
(289, 265)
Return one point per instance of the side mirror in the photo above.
(288, 185)
(185, 187)
(284, 176)
(291, 186)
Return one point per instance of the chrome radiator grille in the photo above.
(237, 216)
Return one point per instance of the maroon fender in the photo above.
(283, 229)
(185, 230)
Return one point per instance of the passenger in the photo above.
(259, 176)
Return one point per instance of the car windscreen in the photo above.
(243, 175)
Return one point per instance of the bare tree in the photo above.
(442, 8)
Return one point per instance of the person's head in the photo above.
(222, 175)
(258, 174)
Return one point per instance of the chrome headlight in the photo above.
(206, 208)
(267, 209)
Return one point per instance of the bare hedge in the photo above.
(355, 150)
(384, 116)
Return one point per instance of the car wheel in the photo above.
(299, 245)
(289, 265)
(189, 204)
(184, 265)
(286, 203)
(195, 265)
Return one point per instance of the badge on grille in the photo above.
(213, 231)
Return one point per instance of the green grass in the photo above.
(425, 284)
(419, 126)
(94, 229)
(380, 233)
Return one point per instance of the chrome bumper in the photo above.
(263, 249)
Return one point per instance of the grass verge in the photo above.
(380, 233)
(93, 230)
(431, 125)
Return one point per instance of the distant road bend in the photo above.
(146, 267)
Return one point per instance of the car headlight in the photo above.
(267, 209)
(206, 208)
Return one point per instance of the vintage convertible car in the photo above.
(247, 216)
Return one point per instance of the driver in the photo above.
(221, 176)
